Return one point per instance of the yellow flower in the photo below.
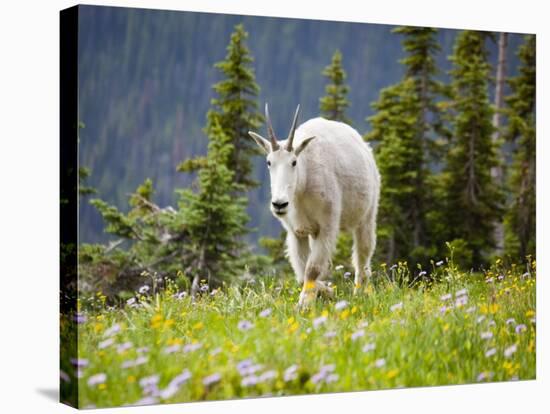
(344, 315)
(309, 285)
(325, 313)
(293, 327)
(446, 327)
(131, 379)
(98, 327)
(353, 310)
(168, 323)
(290, 320)
(198, 326)
(392, 374)
(530, 313)
(156, 321)
(102, 386)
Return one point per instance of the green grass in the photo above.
(415, 344)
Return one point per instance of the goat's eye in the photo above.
(269, 163)
(294, 163)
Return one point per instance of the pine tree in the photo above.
(235, 109)
(408, 126)
(334, 104)
(520, 218)
(215, 220)
(472, 200)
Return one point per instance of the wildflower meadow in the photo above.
(249, 340)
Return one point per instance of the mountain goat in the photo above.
(323, 179)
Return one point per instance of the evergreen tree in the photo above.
(334, 104)
(409, 126)
(472, 200)
(520, 218)
(215, 220)
(235, 109)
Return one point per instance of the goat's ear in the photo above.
(303, 145)
(262, 142)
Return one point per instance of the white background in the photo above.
(29, 147)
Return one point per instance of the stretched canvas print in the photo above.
(256, 206)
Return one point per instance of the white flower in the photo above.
(330, 334)
(357, 334)
(131, 301)
(245, 325)
(97, 379)
(104, 344)
(439, 263)
(369, 347)
(461, 292)
(112, 330)
(508, 352)
(486, 335)
(339, 267)
(397, 306)
(379, 363)
(446, 297)
(341, 305)
(144, 289)
(319, 321)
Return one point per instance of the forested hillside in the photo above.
(145, 85)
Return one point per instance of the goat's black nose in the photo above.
(279, 205)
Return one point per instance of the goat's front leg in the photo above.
(317, 266)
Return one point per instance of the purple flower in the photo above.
(80, 318)
(480, 319)
(142, 350)
(192, 347)
(461, 292)
(510, 321)
(319, 321)
(172, 348)
(265, 313)
(147, 401)
(107, 342)
(379, 363)
(500, 277)
(486, 335)
(318, 377)
(341, 305)
(64, 376)
(131, 301)
(268, 375)
(245, 325)
(79, 362)
(445, 297)
(369, 347)
(331, 378)
(357, 334)
(112, 330)
(484, 376)
(461, 301)
(249, 381)
(520, 328)
(490, 352)
(150, 381)
(97, 379)
(211, 379)
(173, 387)
(330, 334)
(124, 347)
(291, 373)
(347, 275)
(215, 351)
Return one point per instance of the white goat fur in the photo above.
(337, 188)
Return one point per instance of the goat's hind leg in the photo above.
(364, 243)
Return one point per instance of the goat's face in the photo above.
(283, 164)
(282, 167)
